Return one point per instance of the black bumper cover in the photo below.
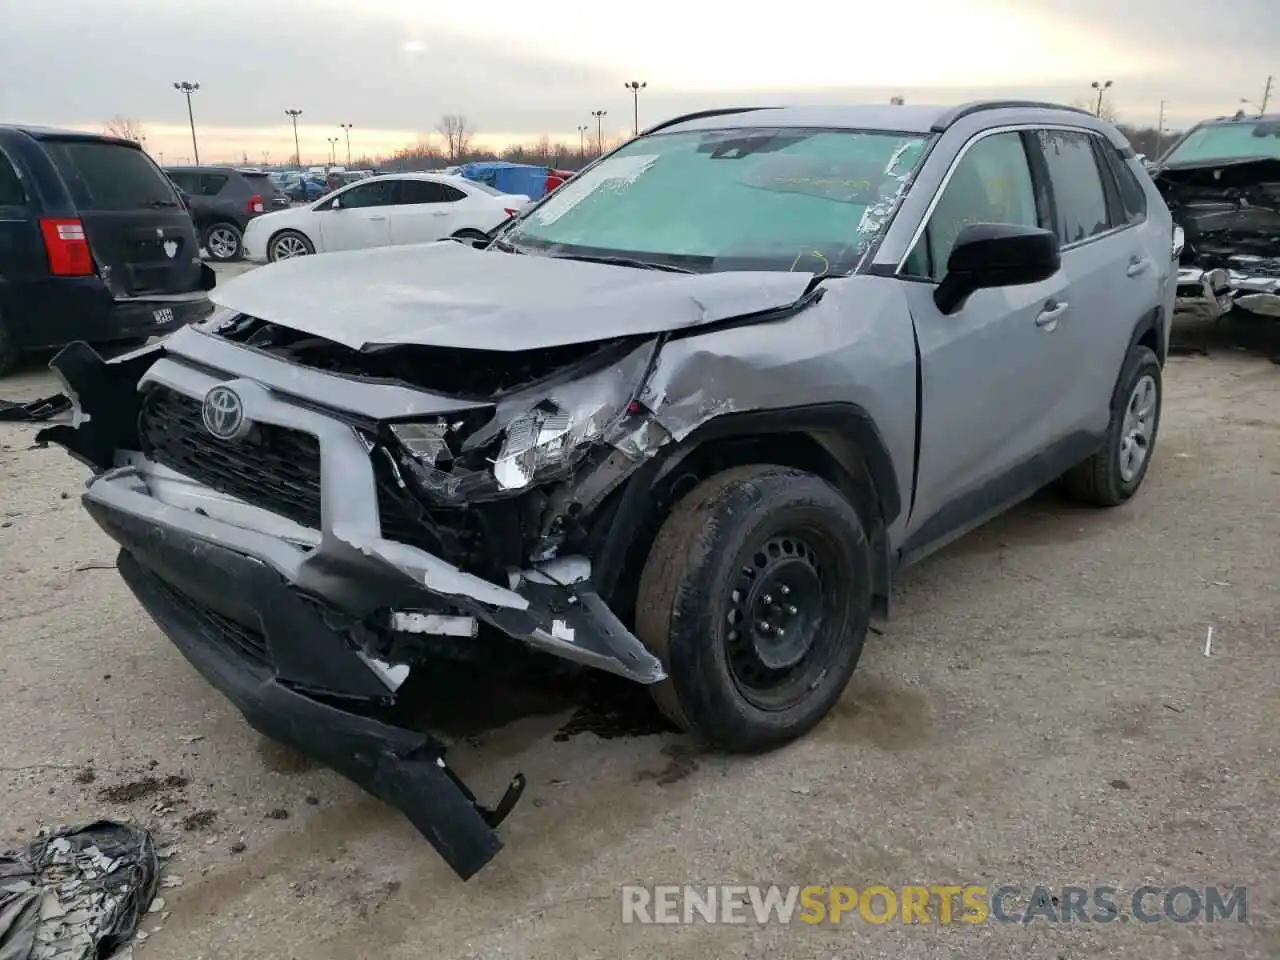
(271, 653)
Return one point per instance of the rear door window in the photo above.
(12, 193)
(211, 184)
(109, 176)
(1079, 198)
(427, 191)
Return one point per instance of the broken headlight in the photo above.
(536, 436)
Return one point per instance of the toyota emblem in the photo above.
(223, 414)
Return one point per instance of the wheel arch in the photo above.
(275, 235)
(1148, 332)
(838, 442)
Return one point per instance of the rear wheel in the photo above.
(224, 242)
(1113, 474)
(288, 244)
(756, 597)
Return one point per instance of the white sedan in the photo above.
(381, 211)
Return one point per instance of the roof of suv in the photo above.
(42, 133)
(908, 118)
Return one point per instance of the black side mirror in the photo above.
(996, 255)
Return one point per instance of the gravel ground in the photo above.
(1039, 711)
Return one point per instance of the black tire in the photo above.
(1107, 478)
(716, 555)
(223, 241)
(9, 354)
(273, 245)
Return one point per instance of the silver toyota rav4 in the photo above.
(681, 421)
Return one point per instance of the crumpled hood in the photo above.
(452, 295)
(1218, 173)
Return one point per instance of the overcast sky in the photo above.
(518, 70)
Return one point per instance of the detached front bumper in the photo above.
(1208, 294)
(272, 656)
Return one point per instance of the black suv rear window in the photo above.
(110, 176)
(261, 183)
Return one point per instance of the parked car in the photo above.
(683, 421)
(1222, 182)
(303, 189)
(382, 211)
(95, 244)
(223, 201)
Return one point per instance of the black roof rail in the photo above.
(701, 115)
(965, 109)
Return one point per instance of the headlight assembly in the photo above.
(535, 436)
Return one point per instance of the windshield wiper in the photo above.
(623, 262)
(506, 246)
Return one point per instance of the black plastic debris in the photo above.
(34, 411)
(78, 894)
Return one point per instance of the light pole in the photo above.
(1266, 96)
(1160, 131)
(346, 128)
(599, 115)
(188, 89)
(1100, 87)
(582, 141)
(297, 155)
(333, 146)
(635, 86)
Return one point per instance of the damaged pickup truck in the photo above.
(1222, 183)
(681, 422)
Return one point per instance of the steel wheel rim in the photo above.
(223, 243)
(289, 247)
(1138, 429)
(776, 657)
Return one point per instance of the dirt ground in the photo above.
(1039, 710)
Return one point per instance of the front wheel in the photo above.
(756, 597)
(1113, 474)
(289, 244)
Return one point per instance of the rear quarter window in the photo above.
(12, 193)
(110, 176)
(260, 183)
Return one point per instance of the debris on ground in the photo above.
(76, 894)
(33, 411)
(199, 820)
(136, 790)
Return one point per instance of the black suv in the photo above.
(95, 243)
(222, 201)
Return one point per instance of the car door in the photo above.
(425, 210)
(358, 217)
(1113, 280)
(989, 372)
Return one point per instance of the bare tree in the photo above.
(1108, 112)
(457, 135)
(126, 128)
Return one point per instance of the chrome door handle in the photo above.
(1136, 266)
(1051, 314)
(371, 219)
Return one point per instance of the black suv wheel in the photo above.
(756, 596)
(223, 242)
(1113, 474)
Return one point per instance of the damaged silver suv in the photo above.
(682, 421)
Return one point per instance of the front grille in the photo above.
(233, 637)
(275, 468)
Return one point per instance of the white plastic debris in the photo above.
(156, 905)
(1208, 642)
